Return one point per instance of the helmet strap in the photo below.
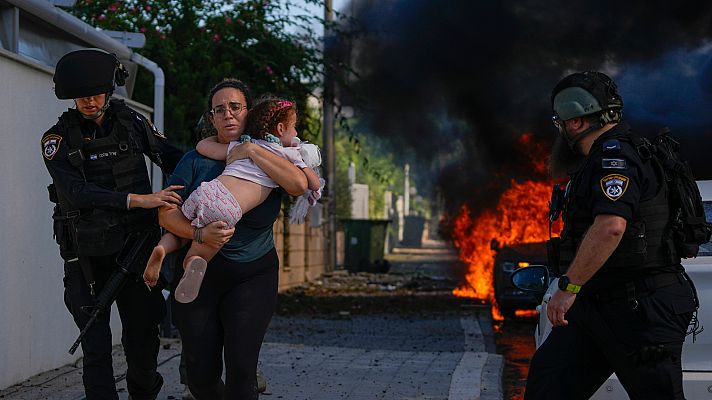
(606, 117)
(101, 111)
(573, 141)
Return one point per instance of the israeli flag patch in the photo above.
(614, 185)
(613, 163)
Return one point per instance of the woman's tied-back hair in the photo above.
(204, 128)
(230, 83)
(267, 112)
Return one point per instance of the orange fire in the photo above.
(521, 216)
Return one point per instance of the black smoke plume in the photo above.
(468, 77)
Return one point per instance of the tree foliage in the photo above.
(376, 165)
(197, 43)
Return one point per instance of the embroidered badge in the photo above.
(50, 145)
(613, 163)
(614, 185)
(612, 146)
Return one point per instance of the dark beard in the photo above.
(562, 158)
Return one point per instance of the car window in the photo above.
(706, 249)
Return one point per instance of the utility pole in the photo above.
(329, 149)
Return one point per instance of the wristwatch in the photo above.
(565, 284)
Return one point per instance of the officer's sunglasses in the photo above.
(234, 107)
(556, 120)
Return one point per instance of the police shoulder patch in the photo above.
(614, 185)
(50, 145)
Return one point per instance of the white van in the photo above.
(697, 355)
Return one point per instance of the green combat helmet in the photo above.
(586, 93)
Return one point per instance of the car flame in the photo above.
(521, 216)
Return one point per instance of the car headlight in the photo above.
(509, 266)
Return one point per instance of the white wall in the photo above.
(36, 329)
(359, 204)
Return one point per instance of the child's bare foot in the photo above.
(153, 267)
(189, 285)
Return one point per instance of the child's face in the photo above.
(290, 131)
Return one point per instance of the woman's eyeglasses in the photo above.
(234, 107)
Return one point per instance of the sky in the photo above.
(308, 7)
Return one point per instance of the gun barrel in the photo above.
(93, 318)
(131, 260)
(106, 297)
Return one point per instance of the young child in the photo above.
(241, 187)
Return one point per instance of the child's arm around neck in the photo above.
(209, 147)
(313, 182)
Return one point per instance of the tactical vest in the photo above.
(114, 162)
(646, 242)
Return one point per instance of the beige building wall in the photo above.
(301, 249)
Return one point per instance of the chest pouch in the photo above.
(99, 232)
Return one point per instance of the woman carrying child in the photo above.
(237, 299)
(241, 187)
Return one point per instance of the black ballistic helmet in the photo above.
(585, 93)
(87, 72)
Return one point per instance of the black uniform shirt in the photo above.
(614, 179)
(82, 194)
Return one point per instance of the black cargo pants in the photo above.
(140, 311)
(642, 344)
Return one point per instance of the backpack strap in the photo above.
(75, 139)
(124, 117)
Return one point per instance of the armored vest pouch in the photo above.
(99, 233)
(632, 251)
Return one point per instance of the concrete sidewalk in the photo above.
(373, 357)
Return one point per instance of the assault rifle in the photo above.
(132, 260)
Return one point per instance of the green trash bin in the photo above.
(413, 231)
(365, 240)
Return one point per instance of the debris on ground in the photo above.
(341, 293)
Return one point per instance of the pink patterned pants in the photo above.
(211, 202)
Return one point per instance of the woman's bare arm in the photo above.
(209, 147)
(282, 171)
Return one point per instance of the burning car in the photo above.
(696, 355)
(508, 260)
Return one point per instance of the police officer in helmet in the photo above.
(95, 156)
(624, 303)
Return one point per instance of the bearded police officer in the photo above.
(95, 156)
(624, 304)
